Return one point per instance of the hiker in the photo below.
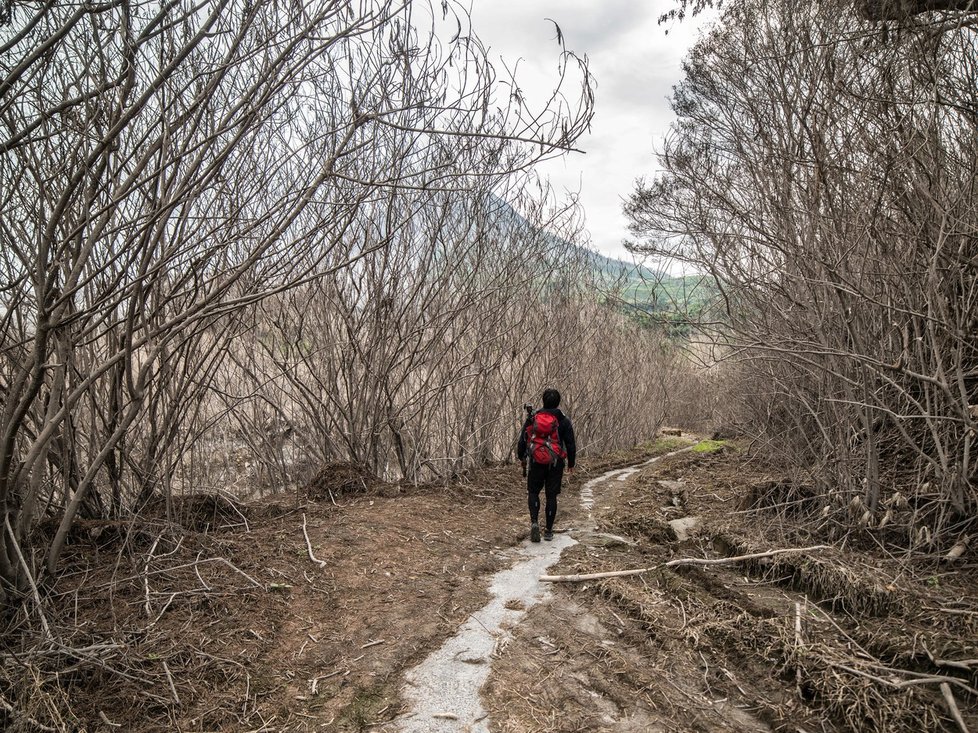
(547, 442)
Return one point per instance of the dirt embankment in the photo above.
(304, 612)
(846, 639)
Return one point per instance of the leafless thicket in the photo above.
(823, 169)
(413, 361)
(279, 236)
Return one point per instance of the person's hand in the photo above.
(570, 470)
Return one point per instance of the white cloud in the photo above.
(635, 64)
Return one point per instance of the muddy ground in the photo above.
(231, 620)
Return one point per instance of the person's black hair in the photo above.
(551, 398)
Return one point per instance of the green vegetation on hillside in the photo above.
(676, 302)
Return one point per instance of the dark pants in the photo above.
(543, 476)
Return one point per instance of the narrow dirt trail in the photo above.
(577, 662)
(358, 606)
(443, 692)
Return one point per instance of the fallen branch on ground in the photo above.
(15, 713)
(169, 679)
(162, 571)
(149, 559)
(105, 719)
(673, 563)
(966, 665)
(320, 563)
(952, 706)
(918, 679)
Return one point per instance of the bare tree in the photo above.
(823, 175)
(167, 167)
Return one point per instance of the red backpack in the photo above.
(542, 440)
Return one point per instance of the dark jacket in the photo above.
(565, 431)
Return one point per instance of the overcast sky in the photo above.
(635, 64)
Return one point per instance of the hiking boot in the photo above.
(534, 533)
(548, 534)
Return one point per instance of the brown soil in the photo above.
(218, 619)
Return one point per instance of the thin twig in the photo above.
(957, 611)
(798, 639)
(952, 706)
(673, 563)
(30, 578)
(173, 687)
(162, 610)
(199, 577)
(966, 665)
(902, 684)
(317, 680)
(149, 559)
(232, 501)
(320, 563)
(171, 569)
(17, 714)
(105, 719)
(233, 567)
